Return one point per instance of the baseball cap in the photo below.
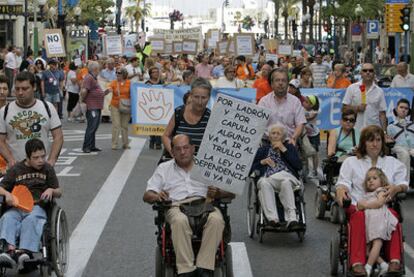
(295, 83)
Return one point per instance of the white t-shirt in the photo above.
(403, 82)
(22, 124)
(71, 87)
(223, 82)
(375, 101)
(132, 71)
(10, 60)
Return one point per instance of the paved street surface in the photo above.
(112, 230)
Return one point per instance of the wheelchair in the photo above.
(257, 222)
(165, 264)
(339, 245)
(325, 192)
(54, 246)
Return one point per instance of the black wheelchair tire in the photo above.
(44, 270)
(320, 206)
(335, 213)
(59, 241)
(251, 208)
(158, 262)
(229, 262)
(301, 236)
(334, 256)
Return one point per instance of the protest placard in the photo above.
(154, 105)
(181, 34)
(54, 43)
(168, 48)
(190, 46)
(245, 44)
(271, 57)
(158, 45)
(213, 36)
(129, 45)
(231, 48)
(230, 142)
(284, 49)
(177, 47)
(222, 47)
(113, 45)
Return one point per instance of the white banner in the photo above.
(179, 35)
(230, 142)
(129, 45)
(155, 105)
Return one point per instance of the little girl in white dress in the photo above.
(379, 221)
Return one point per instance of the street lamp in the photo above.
(77, 11)
(36, 3)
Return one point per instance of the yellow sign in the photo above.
(148, 130)
(393, 17)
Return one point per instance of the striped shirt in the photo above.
(194, 131)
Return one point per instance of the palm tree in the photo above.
(287, 10)
(138, 11)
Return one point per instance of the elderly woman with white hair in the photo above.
(279, 163)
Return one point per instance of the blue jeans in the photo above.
(27, 226)
(93, 118)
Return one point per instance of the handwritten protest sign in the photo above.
(229, 144)
(245, 44)
(181, 34)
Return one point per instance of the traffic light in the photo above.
(405, 19)
(226, 3)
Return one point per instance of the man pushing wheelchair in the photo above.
(171, 182)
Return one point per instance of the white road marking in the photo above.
(85, 236)
(65, 172)
(240, 260)
(410, 252)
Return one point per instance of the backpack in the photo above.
(6, 109)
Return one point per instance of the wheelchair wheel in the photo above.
(229, 262)
(44, 271)
(335, 213)
(301, 236)
(158, 262)
(261, 234)
(251, 208)
(334, 255)
(320, 205)
(59, 241)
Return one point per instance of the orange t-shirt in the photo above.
(262, 88)
(124, 91)
(82, 73)
(338, 83)
(245, 72)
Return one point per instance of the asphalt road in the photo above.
(112, 230)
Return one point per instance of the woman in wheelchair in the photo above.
(41, 180)
(350, 185)
(379, 221)
(345, 138)
(401, 131)
(279, 163)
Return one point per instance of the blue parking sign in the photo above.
(373, 29)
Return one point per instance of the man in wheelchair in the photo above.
(171, 182)
(278, 162)
(41, 180)
(370, 153)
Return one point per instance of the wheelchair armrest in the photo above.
(226, 200)
(161, 205)
(401, 196)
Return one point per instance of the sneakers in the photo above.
(383, 269)
(7, 261)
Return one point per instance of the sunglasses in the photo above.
(350, 120)
(368, 70)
